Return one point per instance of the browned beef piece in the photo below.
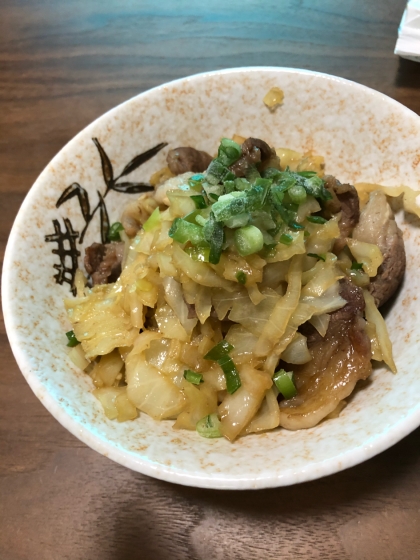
(254, 152)
(345, 200)
(182, 160)
(339, 360)
(103, 262)
(377, 225)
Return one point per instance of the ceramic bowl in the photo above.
(364, 136)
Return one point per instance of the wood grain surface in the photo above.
(62, 64)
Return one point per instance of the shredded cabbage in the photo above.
(189, 312)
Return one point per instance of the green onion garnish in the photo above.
(296, 226)
(183, 231)
(152, 221)
(316, 220)
(208, 426)
(321, 256)
(241, 277)
(218, 351)
(213, 196)
(214, 235)
(199, 201)
(248, 240)
(72, 340)
(229, 151)
(356, 266)
(114, 231)
(286, 239)
(193, 377)
(297, 194)
(285, 383)
(233, 381)
(220, 354)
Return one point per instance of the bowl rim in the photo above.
(314, 470)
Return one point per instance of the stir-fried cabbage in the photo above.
(216, 292)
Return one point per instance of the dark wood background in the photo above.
(62, 64)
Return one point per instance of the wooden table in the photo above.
(62, 64)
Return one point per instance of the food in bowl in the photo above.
(240, 295)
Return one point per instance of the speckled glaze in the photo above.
(364, 136)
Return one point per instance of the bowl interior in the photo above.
(363, 135)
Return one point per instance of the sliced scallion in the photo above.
(214, 235)
(152, 221)
(114, 231)
(208, 426)
(241, 277)
(229, 151)
(183, 231)
(193, 377)
(286, 239)
(199, 201)
(285, 383)
(220, 354)
(72, 340)
(248, 240)
(316, 219)
(356, 266)
(218, 351)
(297, 194)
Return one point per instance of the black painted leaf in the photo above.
(76, 190)
(142, 158)
(107, 170)
(132, 188)
(104, 219)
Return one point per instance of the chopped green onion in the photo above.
(316, 219)
(193, 377)
(229, 151)
(220, 354)
(296, 226)
(213, 196)
(285, 383)
(200, 254)
(241, 277)
(297, 194)
(199, 201)
(72, 340)
(218, 351)
(214, 235)
(321, 256)
(306, 174)
(229, 186)
(152, 221)
(306, 233)
(201, 220)
(242, 184)
(114, 231)
(286, 239)
(269, 250)
(208, 426)
(233, 381)
(356, 266)
(217, 171)
(248, 240)
(183, 231)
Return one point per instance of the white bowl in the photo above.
(363, 134)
